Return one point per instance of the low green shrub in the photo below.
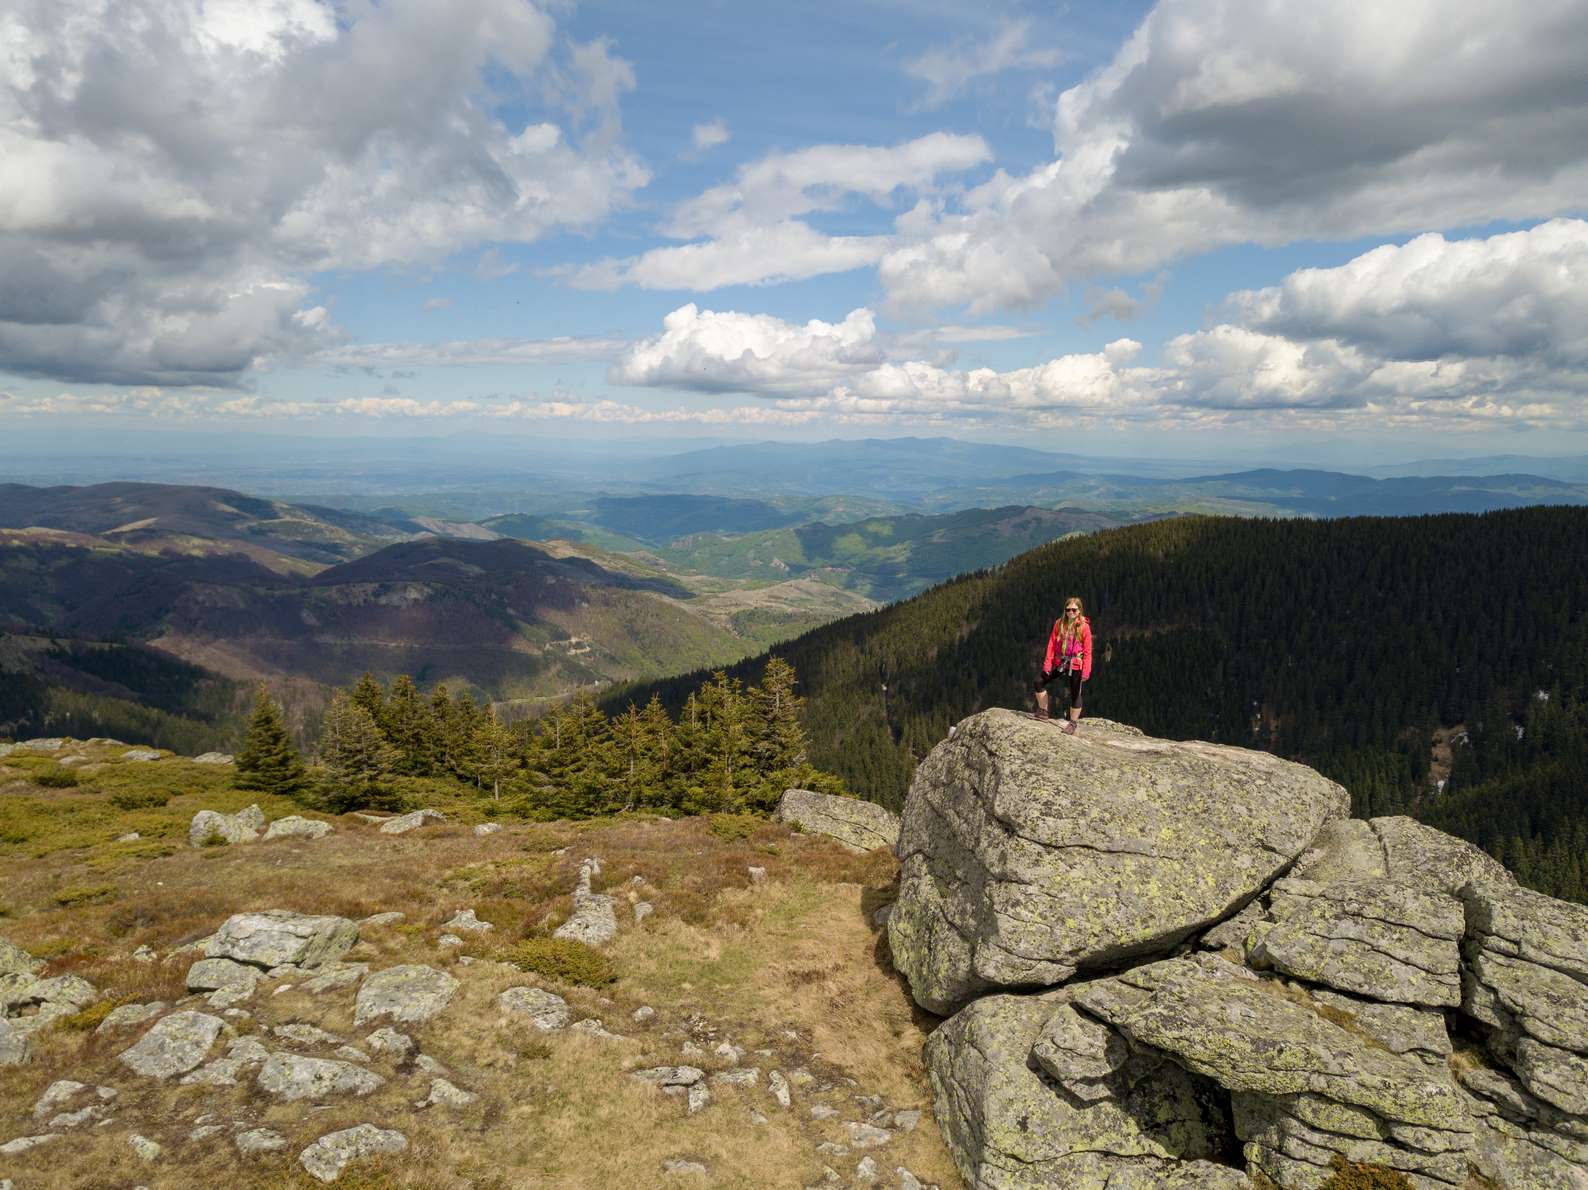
(85, 894)
(733, 827)
(140, 799)
(89, 1018)
(561, 958)
(56, 778)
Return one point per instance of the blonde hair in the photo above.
(1071, 630)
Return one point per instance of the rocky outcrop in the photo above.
(1222, 981)
(857, 824)
(297, 826)
(1029, 855)
(278, 937)
(411, 822)
(594, 920)
(327, 1157)
(210, 827)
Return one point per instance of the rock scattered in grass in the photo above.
(146, 1149)
(174, 1045)
(211, 828)
(278, 937)
(779, 1087)
(259, 1140)
(409, 994)
(444, 1094)
(487, 828)
(296, 826)
(23, 1143)
(394, 1045)
(327, 1157)
(389, 918)
(408, 822)
(292, 1077)
(684, 1169)
(546, 1010)
(464, 919)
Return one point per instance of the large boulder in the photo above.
(1306, 1084)
(1029, 855)
(858, 824)
(1028, 1094)
(278, 937)
(211, 826)
(296, 826)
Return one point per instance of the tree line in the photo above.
(730, 748)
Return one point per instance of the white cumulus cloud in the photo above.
(948, 70)
(176, 170)
(1239, 121)
(752, 231)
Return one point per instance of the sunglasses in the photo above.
(1072, 609)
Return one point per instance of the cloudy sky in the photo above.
(1115, 225)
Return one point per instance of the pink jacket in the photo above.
(1080, 647)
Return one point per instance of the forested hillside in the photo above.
(1355, 645)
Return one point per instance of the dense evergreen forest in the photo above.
(1354, 645)
(100, 688)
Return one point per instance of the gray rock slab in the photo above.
(259, 1140)
(15, 1048)
(1028, 855)
(328, 1157)
(1249, 1034)
(173, 1045)
(1010, 1126)
(294, 1076)
(411, 994)
(214, 758)
(16, 961)
(208, 975)
(857, 824)
(295, 826)
(544, 1010)
(1373, 937)
(594, 921)
(276, 937)
(409, 822)
(242, 827)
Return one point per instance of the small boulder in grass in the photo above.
(328, 1157)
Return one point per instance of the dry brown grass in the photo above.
(792, 966)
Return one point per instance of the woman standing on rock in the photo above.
(1068, 660)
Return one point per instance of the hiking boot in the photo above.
(1069, 727)
(1041, 713)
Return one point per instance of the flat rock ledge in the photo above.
(594, 920)
(1371, 991)
(857, 824)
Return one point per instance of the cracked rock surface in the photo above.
(1373, 991)
(1028, 855)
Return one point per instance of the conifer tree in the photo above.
(268, 762)
(410, 728)
(495, 754)
(356, 756)
(371, 695)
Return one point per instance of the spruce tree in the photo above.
(356, 756)
(495, 754)
(268, 762)
(371, 695)
(410, 728)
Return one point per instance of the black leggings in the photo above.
(1069, 683)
